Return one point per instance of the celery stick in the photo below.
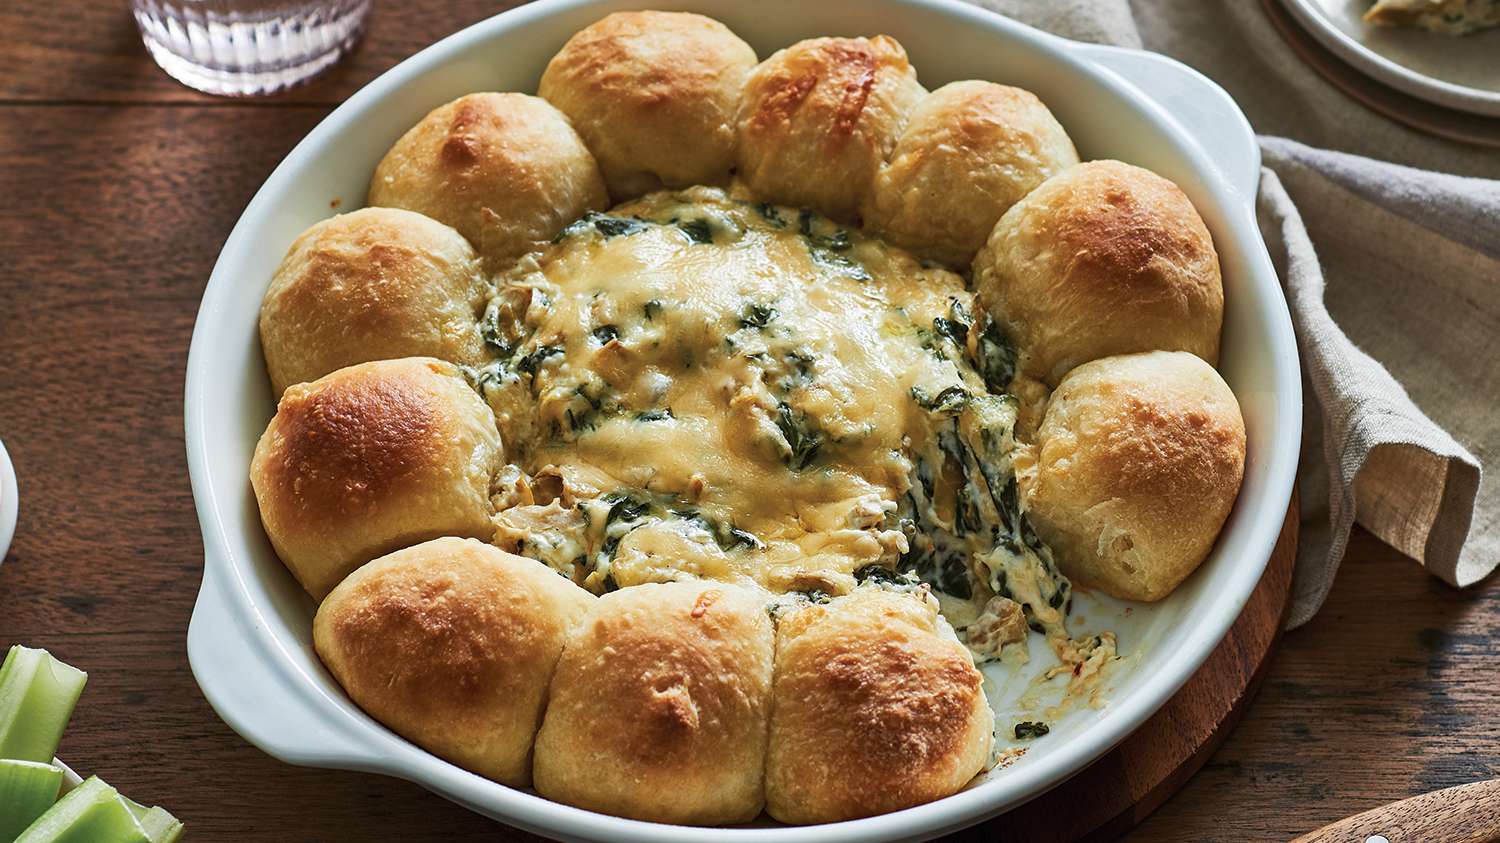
(37, 695)
(92, 812)
(27, 790)
(160, 826)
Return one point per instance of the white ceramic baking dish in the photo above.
(250, 637)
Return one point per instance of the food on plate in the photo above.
(452, 643)
(877, 707)
(660, 706)
(653, 95)
(787, 409)
(1447, 17)
(1103, 258)
(817, 119)
(374, 284)
(1136, 465)
(968, 152)
(370, 459)
(505, 169)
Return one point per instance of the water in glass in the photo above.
(248, 47)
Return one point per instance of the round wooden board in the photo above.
(1119, 790)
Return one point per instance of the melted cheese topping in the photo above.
(695, 385)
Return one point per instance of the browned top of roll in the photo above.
(1138, 461)
(452, 643)
(371, 458)
(1104, 258)
(819, 117)
(660, 704)
(970, 150)
(506, 170)
(374, 284)
(878, 707)
(653, 95)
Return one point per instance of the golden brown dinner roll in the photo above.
(1137, 463)
(506, 170)
(371, 458)
(653, 95)
(659, 706)
(1104, 258)
(818, 118)
(452, 644)
(970, 150)
(877, 707)
(375, 284)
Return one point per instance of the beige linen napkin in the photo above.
(1387, 242)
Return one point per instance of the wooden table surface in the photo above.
(117, 188)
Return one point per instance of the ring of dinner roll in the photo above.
(1104, 258)
(660, 704)
(653, 95)
(818, 118)
(700, 702)
(374, 284)
(969, 151)
(1137, 463)
(451, 643)
(372, 458)
(506, 170)
(877, 707)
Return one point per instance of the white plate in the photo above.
(9, 501)
(250, 638)
(1461, 72)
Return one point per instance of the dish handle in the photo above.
(1204, 110)
(255, 687)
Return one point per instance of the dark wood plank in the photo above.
(104, 267)
(91, 51)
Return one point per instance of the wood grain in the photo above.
(117, 189)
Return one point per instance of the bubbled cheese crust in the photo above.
(1138, 462)
(374, 284)
(452, 644)
(772, 387)
(1104, 258)
(506, 170)
(370, 459)
(653, 96)
(660, 706)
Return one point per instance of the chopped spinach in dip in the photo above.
(698, 385)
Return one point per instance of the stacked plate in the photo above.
(1444, 84)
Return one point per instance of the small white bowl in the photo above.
(9, 501)
(250, 638)
(70, 778)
